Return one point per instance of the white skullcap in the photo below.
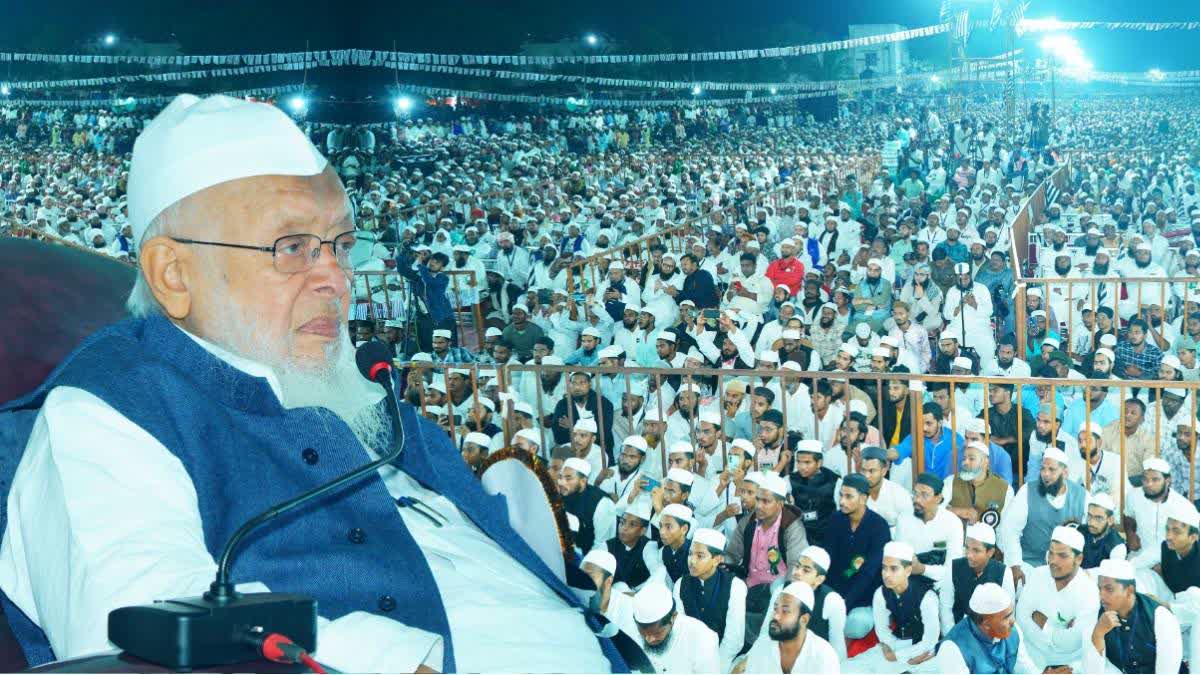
(850, 349)
(1171, 360)
(874, 262)
(889, 341)
(1185, 512)
(602, 559)
(478, 439)
(947, 335)
(666, 335)
(681, 447)
(882, 352)
(898, 550)
(989, 599)
(680, 513)
(811, 446)
(684, 478)
(710, 416)
(652, 415)
(1144, 247)
(710, 538)
(792, 366)
(640, 510)
(1054, 453)
(1069, 536)
(636, 442)
(818, 555)
(491, 332)
(976, 425)
(755, 477)
(1107, 352)
(1156, 464)
(801, 592)
(769, 356)
(441, 333)
(196, 143)
(1093, 427)
(790, 334)
(774, 483)
(579, 466)
(529, 435)
(611, 352)
(523, 407)
(961, 362)
(652, 604)
(1102, 500)
(862, 330)
(744, 444)
(588, 425)
(962, 268)
(592, 331)
(982, 533)
(1122, 570)
(1108, 340)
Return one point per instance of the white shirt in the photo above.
(693, 648)
(1105, 476)
(135, 535)
(906, 649)
(943, 532)
(1151, 518)
(816, 656)
(1059, 641)
(735, 621)
(1168, 643)
(950, 659)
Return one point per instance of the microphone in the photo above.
(224, 626)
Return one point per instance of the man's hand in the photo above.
(564, 422)
(1017, 575)
(970, 300)
(1132, 370)
(920, 658)
(1039, 619)
(1064, 670)
(604, 475)
(1108, 621)
(637, 490)
(887, 652)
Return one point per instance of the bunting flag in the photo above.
(260, 92)
(997, 15)
(1045, 25)
(172, 77)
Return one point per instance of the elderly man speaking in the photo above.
(233, 388)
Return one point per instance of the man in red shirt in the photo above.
(787, 270)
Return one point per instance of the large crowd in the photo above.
(820, 515)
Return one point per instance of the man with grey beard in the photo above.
(234, 388)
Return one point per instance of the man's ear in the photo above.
(162, 262)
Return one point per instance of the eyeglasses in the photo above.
(299, 252)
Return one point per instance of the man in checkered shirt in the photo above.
(1137, 358)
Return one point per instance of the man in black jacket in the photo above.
(698, 284)
(812, 489)
(594, 509)
(581, 396)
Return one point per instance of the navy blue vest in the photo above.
(244, 452)
(980, 653)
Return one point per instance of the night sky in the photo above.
(501, 26)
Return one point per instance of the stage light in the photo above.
(934, 79)
(4, 90)
(110, 39)
(1067, 52)
(404, 104)
(696, 90)
(591, 39)
(774, 91)
(1039, 25)
(297, 104)
(1156, 75)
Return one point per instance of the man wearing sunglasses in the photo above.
(233, 388)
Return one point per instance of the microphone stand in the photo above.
(223, 626)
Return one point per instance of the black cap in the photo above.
(873, 452)
(932, 481)
(858, 482)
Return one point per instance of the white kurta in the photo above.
(816, 656)
(834, 613)
(1168, 643)
(873, 660)
(693, 649)
(136, 535)
(1058, 642)
(1151, 520)
(735, 621)
(943, 532)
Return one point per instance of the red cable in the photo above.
(311, 663)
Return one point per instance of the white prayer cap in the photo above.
(1121, 570)
(874, 262)
(1144, 247)
(529, 435)
(744, 444)
(863, 330)
(1171, 360)
(1093, 427)
(588, 425)
(1035, 292)
(1156, 464)
(666, 335)
(962, 268)
(889, 341)
(196, 143)
(491, 332)
(438, 384)
(681, 447)
(882, 352)
(1108, 340)
(640, 510)
(636, 442)
(602, 559)
(1103, 500)
(652, 604)
(755, 477)
(811, 446)
(788, 242)
(818, 555)
(790, 334)
(1052, 341)
(802, 592)
(611, 352)
(976, 425)
(1069, 536)
(769, 356)
(850, 349)
(947, 335)
(1037, 313)
(592, 331)
(579, 466)
(710, 416)
(710, 538)
(441, 333)
(422, 357)
(523, 407)
(652, 415)
(961, 362)
(1185, 512)
(680, 513)
(774, 483)
(684, 478)
(478, 439)
(982, 533)
(1107, 352)
(899, 550)
(989, 599)
(792, 366)
(1054, 453)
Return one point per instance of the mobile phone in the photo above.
(651, 484)
(579, 297)
(710, 317)
(734, 462)
(737, 508)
